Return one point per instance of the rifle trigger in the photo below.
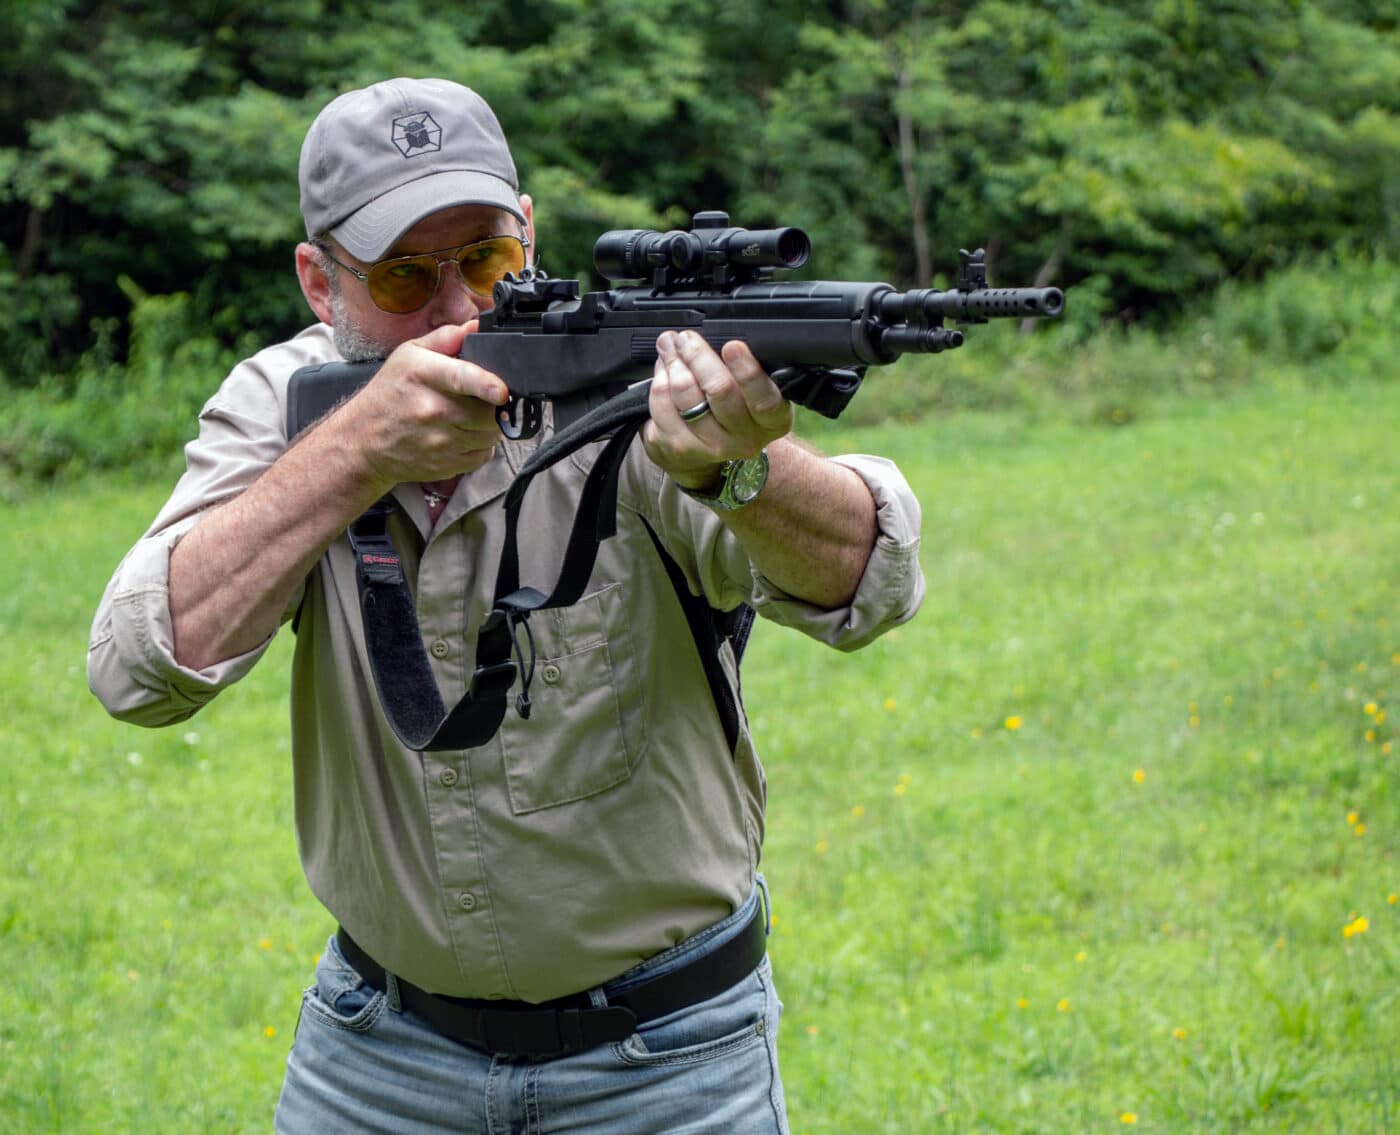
(521, 417)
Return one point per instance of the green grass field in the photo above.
(1104, 839)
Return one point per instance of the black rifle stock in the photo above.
(816, 338)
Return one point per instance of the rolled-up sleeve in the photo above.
(131, 665)
(892, 586)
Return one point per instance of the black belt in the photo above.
(570, 1024)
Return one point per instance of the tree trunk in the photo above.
(29, 249)
(913, 188)
(1050, 269)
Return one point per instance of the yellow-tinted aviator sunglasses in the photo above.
(403, 284)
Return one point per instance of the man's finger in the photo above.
(764, 400)
(461, 379)
(743, 398)
(444, 340)
(676, 383)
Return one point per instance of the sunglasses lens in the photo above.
(404, 284)
(407, 283)
(486, 263)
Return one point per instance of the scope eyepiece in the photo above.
(632, 254)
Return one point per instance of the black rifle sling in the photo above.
(709, 629)
(399, 664)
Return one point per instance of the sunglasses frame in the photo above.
(440, 256)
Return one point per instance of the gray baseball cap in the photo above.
(378, 160)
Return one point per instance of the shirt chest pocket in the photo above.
(587, 729)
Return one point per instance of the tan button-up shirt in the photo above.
(609, 826)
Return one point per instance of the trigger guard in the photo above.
(520, 417)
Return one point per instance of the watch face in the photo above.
(749, 479)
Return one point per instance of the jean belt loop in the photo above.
(391, 992)
(767, 903)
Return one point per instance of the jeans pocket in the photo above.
(726, 1024)
(340, 997)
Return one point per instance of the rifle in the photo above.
(589, 355)
(815, 338)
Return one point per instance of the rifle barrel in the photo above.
(922, 304)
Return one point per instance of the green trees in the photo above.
(1144, 151)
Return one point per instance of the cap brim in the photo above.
(369, 233)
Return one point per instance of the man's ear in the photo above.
(315, 284)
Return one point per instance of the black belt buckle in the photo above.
(553, 1032)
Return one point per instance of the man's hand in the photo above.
(747, 410)
(812, 528)
(426, 415)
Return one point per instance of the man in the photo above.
(563, 927)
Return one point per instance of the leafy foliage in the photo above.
(1143, 152)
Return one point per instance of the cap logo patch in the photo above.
(417, 134)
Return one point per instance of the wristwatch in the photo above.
(739, 482)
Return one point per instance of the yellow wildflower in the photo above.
(1139, 775)
(1179, 1033)
(1064, 1006)
(1128, 1117)
(858, 811)
(1022, 1003)
(264, 943)
(1082, 956)
(269, 1032)
(1353, 817)
(890, 703)
(1013, 722)
(1370, 708)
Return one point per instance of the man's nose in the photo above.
(454, 302)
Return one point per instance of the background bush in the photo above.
(1144, 154)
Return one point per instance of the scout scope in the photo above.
(711, 250)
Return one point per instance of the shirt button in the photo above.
(439, 648)
(466, 900)
(550, 673)
(448, 777)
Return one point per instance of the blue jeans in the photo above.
(360, 1065)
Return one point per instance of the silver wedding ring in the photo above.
(696, 412)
